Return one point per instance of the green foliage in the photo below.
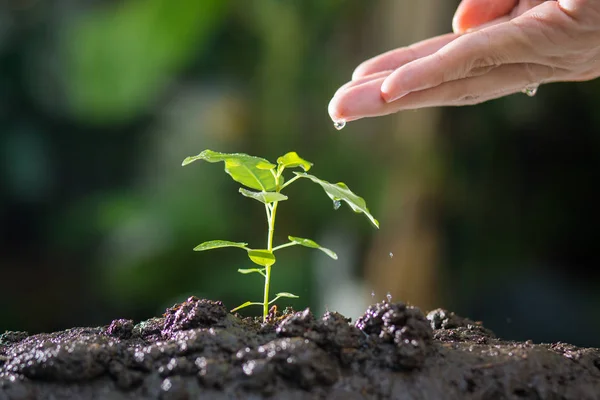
(293, 160)
(312, 244)
(253, 172)
(264, 258)
(124, 54)
(263, 197)
(217, 244)
(340, 192)
(258, 173)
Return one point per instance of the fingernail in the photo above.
(390, 99)
(455, 24)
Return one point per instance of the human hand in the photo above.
(500, 47)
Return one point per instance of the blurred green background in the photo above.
(489, 210)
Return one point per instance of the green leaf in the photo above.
(250, 171)
(287, 294)
(217, 244)
(314, 245)
(283, 294)
(263, 197)
(293, 160)
(246, 271)
(246, 304)
(340, 191)
(264, 258)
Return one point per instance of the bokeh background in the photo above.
(490, 211)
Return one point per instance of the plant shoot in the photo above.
(264, 182)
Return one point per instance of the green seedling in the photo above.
(267, 181)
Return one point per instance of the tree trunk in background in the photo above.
(409, 228)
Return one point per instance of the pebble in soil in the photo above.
(198, 349)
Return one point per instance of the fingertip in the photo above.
(390, 92)
(387, 95)
(361, 71)
(356, 102)
(457, 24)
(337, 108)
(456, 21)
(373, 67)
(572, 8)
(458, 18)
(392, 97)
(356, 73)
(472, 14)
(333, 108)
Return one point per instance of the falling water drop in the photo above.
(391, 255)
(372, 294)
(530, 90)
(337, 204)
(339, 125)
(388, 296)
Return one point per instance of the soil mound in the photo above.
(197, 349)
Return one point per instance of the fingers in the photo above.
(398, 57)
(474, 13)
(466, 56)
(364, 79)
(358, 102)
(365, 100)
(504, 80)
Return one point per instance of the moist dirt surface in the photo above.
(198, 350)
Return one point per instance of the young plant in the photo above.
(267, 181)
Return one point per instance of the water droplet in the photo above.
(166, 385)
(388, 296)
(337, 204)
(339, 125)
(530, 90)
(372, 294)
(391, 255)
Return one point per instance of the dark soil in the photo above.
(199, 350)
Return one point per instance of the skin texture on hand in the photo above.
(499, 48)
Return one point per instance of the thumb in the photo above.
(472, 13)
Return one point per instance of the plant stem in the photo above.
(271, 221)
(266, 295)
(291, 181)
(272, 226)
(281, 246)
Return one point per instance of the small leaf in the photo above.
(340, 191)
(217, 244)
(246, 304)
(250, 171)
(314, 245)
(246, 271)
(286, 294)
(283, 294)
(293, 160)
(264, 258)
(263, 197)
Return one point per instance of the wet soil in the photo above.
(197, 349)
